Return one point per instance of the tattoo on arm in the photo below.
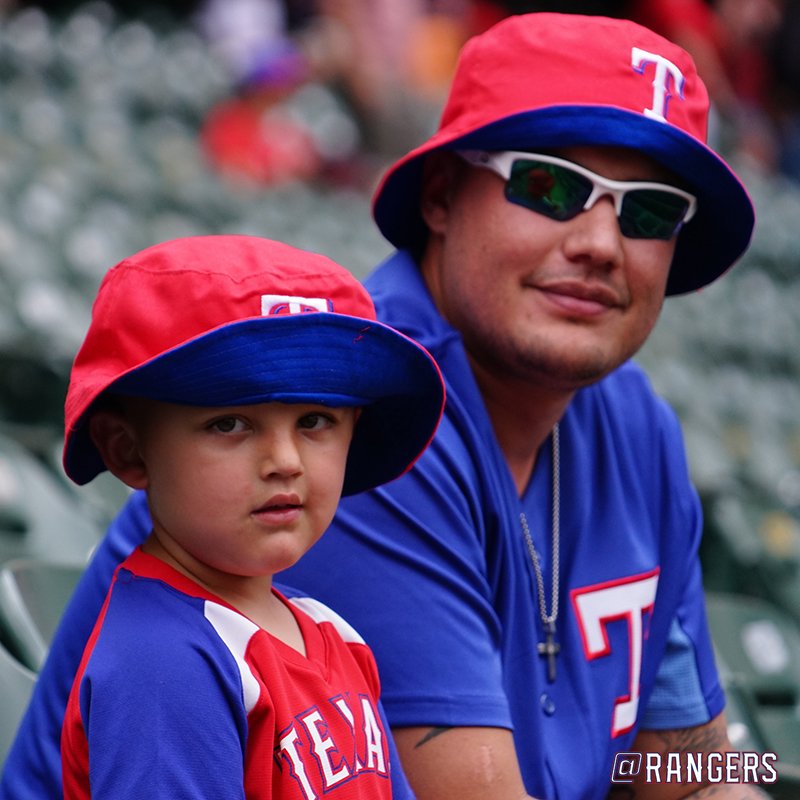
(710, 738)
(432, 734)
(705, 738)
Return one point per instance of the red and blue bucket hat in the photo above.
(237, 320)
(549, 80)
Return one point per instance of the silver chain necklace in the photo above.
(549, 648)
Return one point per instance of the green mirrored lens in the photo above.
(561, 193)
(549, 189)
(651, 214)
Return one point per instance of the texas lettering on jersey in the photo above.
(326, 747)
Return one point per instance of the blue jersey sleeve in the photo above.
(33, 768)
(687, 691)
(161, 701)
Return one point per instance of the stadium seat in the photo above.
(751, 546)
(38, 517)
(100, 499)
(33, 594)
(743, 730)
(758, 648)
(16, 685)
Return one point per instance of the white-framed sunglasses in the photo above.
(560, 190)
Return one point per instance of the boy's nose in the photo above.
(280, 456)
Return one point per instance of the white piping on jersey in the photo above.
(236, 630)
(319, 612)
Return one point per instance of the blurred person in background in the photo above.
(785, 59)
(385, 65)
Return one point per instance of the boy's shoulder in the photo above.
(149, 613)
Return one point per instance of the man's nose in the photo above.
(594, 235)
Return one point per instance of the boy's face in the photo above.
(241, 491)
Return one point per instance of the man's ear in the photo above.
(439, 174)
(114, 436)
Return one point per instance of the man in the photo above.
(540, 604)
(531, 587)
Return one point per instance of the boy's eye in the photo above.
(315, 422)
(227, 425)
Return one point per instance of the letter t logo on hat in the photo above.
(273, 305)
(665, 70)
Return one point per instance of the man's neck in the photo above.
(522, 415)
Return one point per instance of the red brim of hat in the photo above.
(337, 361)
(707, 246)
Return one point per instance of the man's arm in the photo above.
(461, 763)
(481, 764)
(709, 738)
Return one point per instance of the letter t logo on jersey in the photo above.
(664, 71)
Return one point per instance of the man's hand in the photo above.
(461, 763)
(709, 738)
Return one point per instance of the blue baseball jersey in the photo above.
(433, 571)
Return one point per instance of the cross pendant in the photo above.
(549, 649)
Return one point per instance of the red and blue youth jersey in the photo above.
(179, 695)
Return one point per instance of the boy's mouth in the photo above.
(282, 505)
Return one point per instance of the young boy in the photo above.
(245, 385)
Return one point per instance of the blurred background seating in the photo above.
(16, 685)
(33, 593)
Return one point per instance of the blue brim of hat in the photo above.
(707, 246)
(336, 361)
